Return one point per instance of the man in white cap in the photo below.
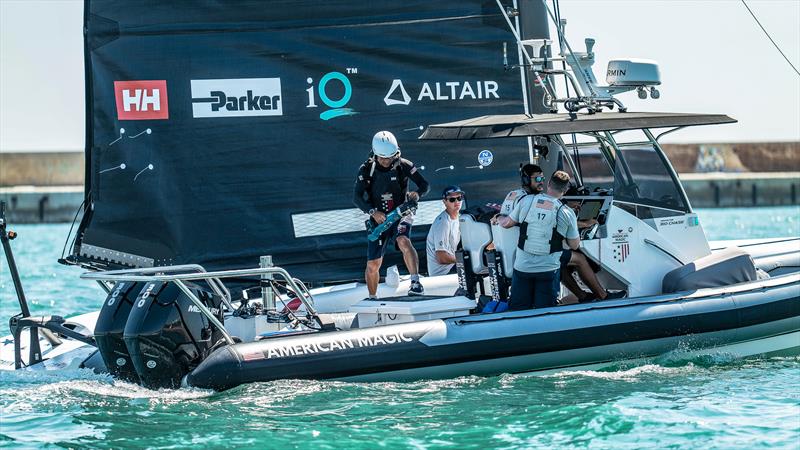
(382, 186)
(444, 235)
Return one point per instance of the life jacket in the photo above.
(369, 171)
(370, 166)
(511, 200)
(538, 228)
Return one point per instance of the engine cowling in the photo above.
(110, 327)
(167, 335)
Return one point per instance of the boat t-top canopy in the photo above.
(520, 125)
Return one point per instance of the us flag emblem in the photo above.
(544, 204)
(622, 251)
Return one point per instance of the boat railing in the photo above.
(214, 283)
(194, 272)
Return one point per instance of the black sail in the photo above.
(219, 131)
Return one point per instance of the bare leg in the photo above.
(372, 275)
(409, 254)
(572, 285)
(579, 262)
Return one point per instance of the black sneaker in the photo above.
(616, 295)
(416, 289)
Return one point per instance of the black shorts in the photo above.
(566, 255)
(377, 248)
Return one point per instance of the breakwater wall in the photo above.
(48, 187)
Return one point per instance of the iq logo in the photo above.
(331, 79)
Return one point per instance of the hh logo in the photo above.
(141, 100)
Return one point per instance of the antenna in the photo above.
(623, 75)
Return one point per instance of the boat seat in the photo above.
(505, 241)
(725, 267)
(475, 236)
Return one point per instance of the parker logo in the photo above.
(141, 100)
(241, 97)
(441, 91)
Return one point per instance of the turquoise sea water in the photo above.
(674, 401)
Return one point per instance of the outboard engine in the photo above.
(110, 327)
(167, 335)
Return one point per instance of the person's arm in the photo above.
(360, 191)
(438, 236)
(506, 221)
(416, 176)
(513, 218)
(571, 235)
(574, 243)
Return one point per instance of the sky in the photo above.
(712, 55)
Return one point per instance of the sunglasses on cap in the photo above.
(539, 179)
(455, 199)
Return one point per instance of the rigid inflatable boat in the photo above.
(180, 310)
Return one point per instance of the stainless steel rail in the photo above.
(198, 273)
(215, 283)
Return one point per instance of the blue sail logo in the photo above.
(337, 106)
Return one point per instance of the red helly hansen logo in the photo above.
(141, 100)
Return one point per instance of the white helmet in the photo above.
(384, 144)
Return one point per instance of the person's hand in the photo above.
(413, 196)
(495, 220)
(379, 217)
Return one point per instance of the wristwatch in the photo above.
(372, 211)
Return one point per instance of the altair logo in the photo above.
(442, 91)
(337, 105)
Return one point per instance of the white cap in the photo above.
(384, 144)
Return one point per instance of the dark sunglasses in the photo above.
(455, 199)
(539, 179)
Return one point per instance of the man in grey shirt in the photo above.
(544, 223)
(445, 234)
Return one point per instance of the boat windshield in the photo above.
(637, 172)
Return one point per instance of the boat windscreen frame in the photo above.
(668, 165)
(612, 152)
(563, 149)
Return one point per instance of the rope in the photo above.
(770, 37)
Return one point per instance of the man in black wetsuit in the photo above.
(381, 186)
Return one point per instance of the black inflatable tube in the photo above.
(245, 363)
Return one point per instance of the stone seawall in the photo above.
(41, 169)
(48, 187)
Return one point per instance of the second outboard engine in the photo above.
(167, 335)
(110, 326)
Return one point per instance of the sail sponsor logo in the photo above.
(311, 348)
(335, 91)
(437, 91)
(240, 97)
(141, 100)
